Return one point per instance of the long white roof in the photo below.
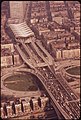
(21, 30)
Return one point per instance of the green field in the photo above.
(21, 83)
(74, 70)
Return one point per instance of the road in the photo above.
(58, 89)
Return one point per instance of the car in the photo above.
(40, 116)
(32, 116)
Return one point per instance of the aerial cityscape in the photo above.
(40, 60)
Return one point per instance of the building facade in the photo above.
(17, 9)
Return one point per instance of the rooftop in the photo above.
(21, 30)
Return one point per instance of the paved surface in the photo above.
(56, 86)
(4, 90)
(58, 89)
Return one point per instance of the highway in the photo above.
(41, 54)
(29, 53)
(44, 50)
(61, 95)
(22, 54)
(56, 86)
(42, 65)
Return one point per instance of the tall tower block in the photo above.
(17, 9)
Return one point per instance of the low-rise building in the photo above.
(38, 12)
(9, 55)
(6, 61)
(9, 46)
(61, 50)
(72, 53)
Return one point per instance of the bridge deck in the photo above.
(58, 88)
(59, 95)
(41, 54)
(24, 56)
(45, 51)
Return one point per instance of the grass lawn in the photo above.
(21, 82)
(74, 70)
